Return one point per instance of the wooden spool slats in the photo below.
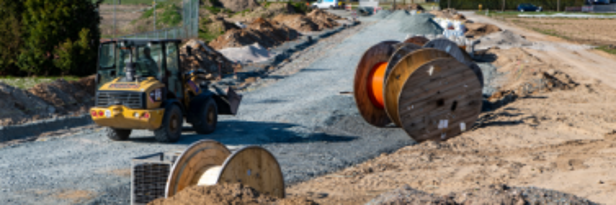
(400, 73)
(378, 53)
(402, 49)
(255, 167)
(191, 164)
(455, 51)
(417, 40)
(431, 91)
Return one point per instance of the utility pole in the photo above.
(504, 2)
(114, 18)
(449, 4)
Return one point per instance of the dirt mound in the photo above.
(64, 96)
(87, 84)
(480, 29)
(266, 33)
(226, 194)
(273, 9)
(492, 194)
(17, 104)
(323, 19)
(239, 5)
(206, 58)
(297, 21)
(410, 7)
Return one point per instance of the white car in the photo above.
(325, 4)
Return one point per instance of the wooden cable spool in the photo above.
(429, 92)
(368, 83)
(207, 163)
(458, 53)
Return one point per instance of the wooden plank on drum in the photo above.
(399, 74)
(417, 40)
(191, 164)
(255, 167)
(378, 53)
(449, 107)
(455, 51)
(402, 49)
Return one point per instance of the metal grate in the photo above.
(129, 99)
(149, 177)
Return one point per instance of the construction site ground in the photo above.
(303, 113)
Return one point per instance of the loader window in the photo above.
(173, 70)
(105, 59)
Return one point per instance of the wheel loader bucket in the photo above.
(228, 104)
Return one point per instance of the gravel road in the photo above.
(302, 119)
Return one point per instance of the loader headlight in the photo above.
(136, 115)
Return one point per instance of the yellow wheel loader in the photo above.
(141, 85)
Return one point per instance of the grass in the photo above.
(608, 49)
(29, 82)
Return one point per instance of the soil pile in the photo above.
(64, 96)
(410, 7)
(226, 194)
(504, 39)
(266, 33)
(270, 11)
(493, 194)
(297, 21)
(204, 57)
(17, 104)
(239, 5)
(323, 19)
(420, 24)
(480, 29)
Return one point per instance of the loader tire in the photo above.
(207, 117)
(118, 134)
(171, 127)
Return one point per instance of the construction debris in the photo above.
(480, 29)
(204, 57)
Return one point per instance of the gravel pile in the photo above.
(420, 24)
(382, 14)
(504, 40)
(398, 15)
(492, 194)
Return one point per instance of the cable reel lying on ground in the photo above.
(431, 89)
(208, 162)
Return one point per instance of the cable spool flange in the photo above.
(208, 162)
(440, 99)
(454, 50)
(400, 74)
(417, 40)
(368, 83)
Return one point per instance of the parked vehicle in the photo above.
(601, 1)
(326, 4)
(529, 7)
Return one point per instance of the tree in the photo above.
(11, 35)
(52, 27)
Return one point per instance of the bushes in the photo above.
(49, 37)
(509, 4)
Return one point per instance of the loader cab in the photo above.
(137, 60)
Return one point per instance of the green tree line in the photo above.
(49, 37)
(509, 4)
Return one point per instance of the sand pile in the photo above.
(492, 194)
(381, 14)
(224, 195)
(297, 21)
(504, 39)
(323, 19)
(266, 33)
(206, 58)
(420, 24)
(248, 54)
(239, 5)
(480, 29)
